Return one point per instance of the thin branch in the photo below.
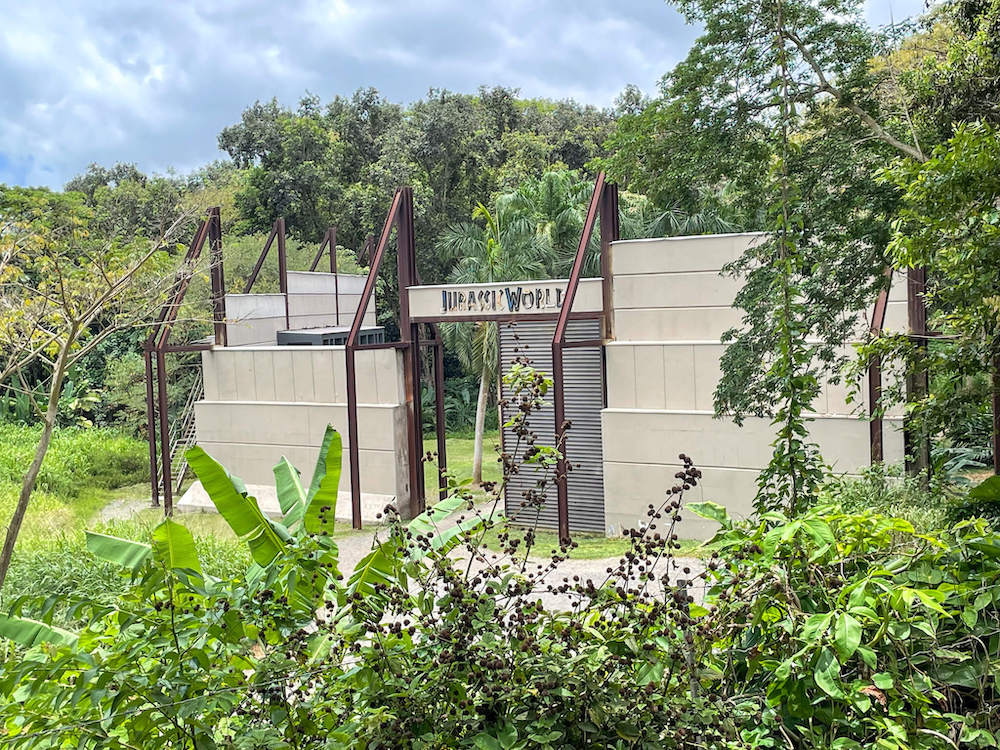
(842, 100)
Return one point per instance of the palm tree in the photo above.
(505, 248)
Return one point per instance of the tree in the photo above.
(126, 202)
(949, 222)
(63, 290)
(500, 250)
(714, 126)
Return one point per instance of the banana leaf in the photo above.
(30, 632)
(173, 546)
(325, 483)
(124, 552)
(240, 511)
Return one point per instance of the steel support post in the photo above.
(332, 235)
(439, 417)
(609, 233)
(218, 278)
(996, 414)
(283, 268)
(161, 383)
(349, 352)
(918, 459)
(352, 437)
(875, 421)
(406, 275)
(151, 429)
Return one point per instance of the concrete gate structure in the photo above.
(649, 330)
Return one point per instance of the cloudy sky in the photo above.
(154, 83)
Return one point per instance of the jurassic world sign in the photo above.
(502, 300)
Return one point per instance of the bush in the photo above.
(77, 459)
(854, 630)
(884, 489)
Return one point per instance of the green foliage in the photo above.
(460, 405)
(885, 490)
(336, 164)
(832, 629)
(79, 458)
(857, 631)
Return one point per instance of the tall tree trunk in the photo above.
(477, 450)
(28, 483)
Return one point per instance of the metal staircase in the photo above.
(182, 435)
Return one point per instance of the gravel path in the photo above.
(354, 547)
(122, 509)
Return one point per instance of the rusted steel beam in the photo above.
(218, 277)
(260, 260)
(185, 348)
(160, 334)
(161, 383)
(349, 351)
(996, 414)
(283, 268)
(917, 382)
(875, 425)
(406, 271)
(381, 345)
(332, 234)
(610, 230)
(558, 341)
(151, 428)
(439, 416)
(319, 252)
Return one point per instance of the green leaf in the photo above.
(291, 496)
(486, 742)
(508, 736)
(124, 552)
(845, 743)
(816, 625)
(846, 636)
(711, 511)
(30, 632)
(378, 566)
(882, 680)
(173, 546)
(819, 530)
(987, 490)
(240, 511)
(827, 674)
(325, 484)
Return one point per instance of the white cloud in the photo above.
(154, 83)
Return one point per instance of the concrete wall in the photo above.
(255, 319)
(263, 403)
(671, 307)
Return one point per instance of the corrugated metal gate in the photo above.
(584, 375)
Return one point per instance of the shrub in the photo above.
(855, 631)
(884, 489)
(55, 574)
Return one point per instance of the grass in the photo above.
(460, 449)
(590, 546)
